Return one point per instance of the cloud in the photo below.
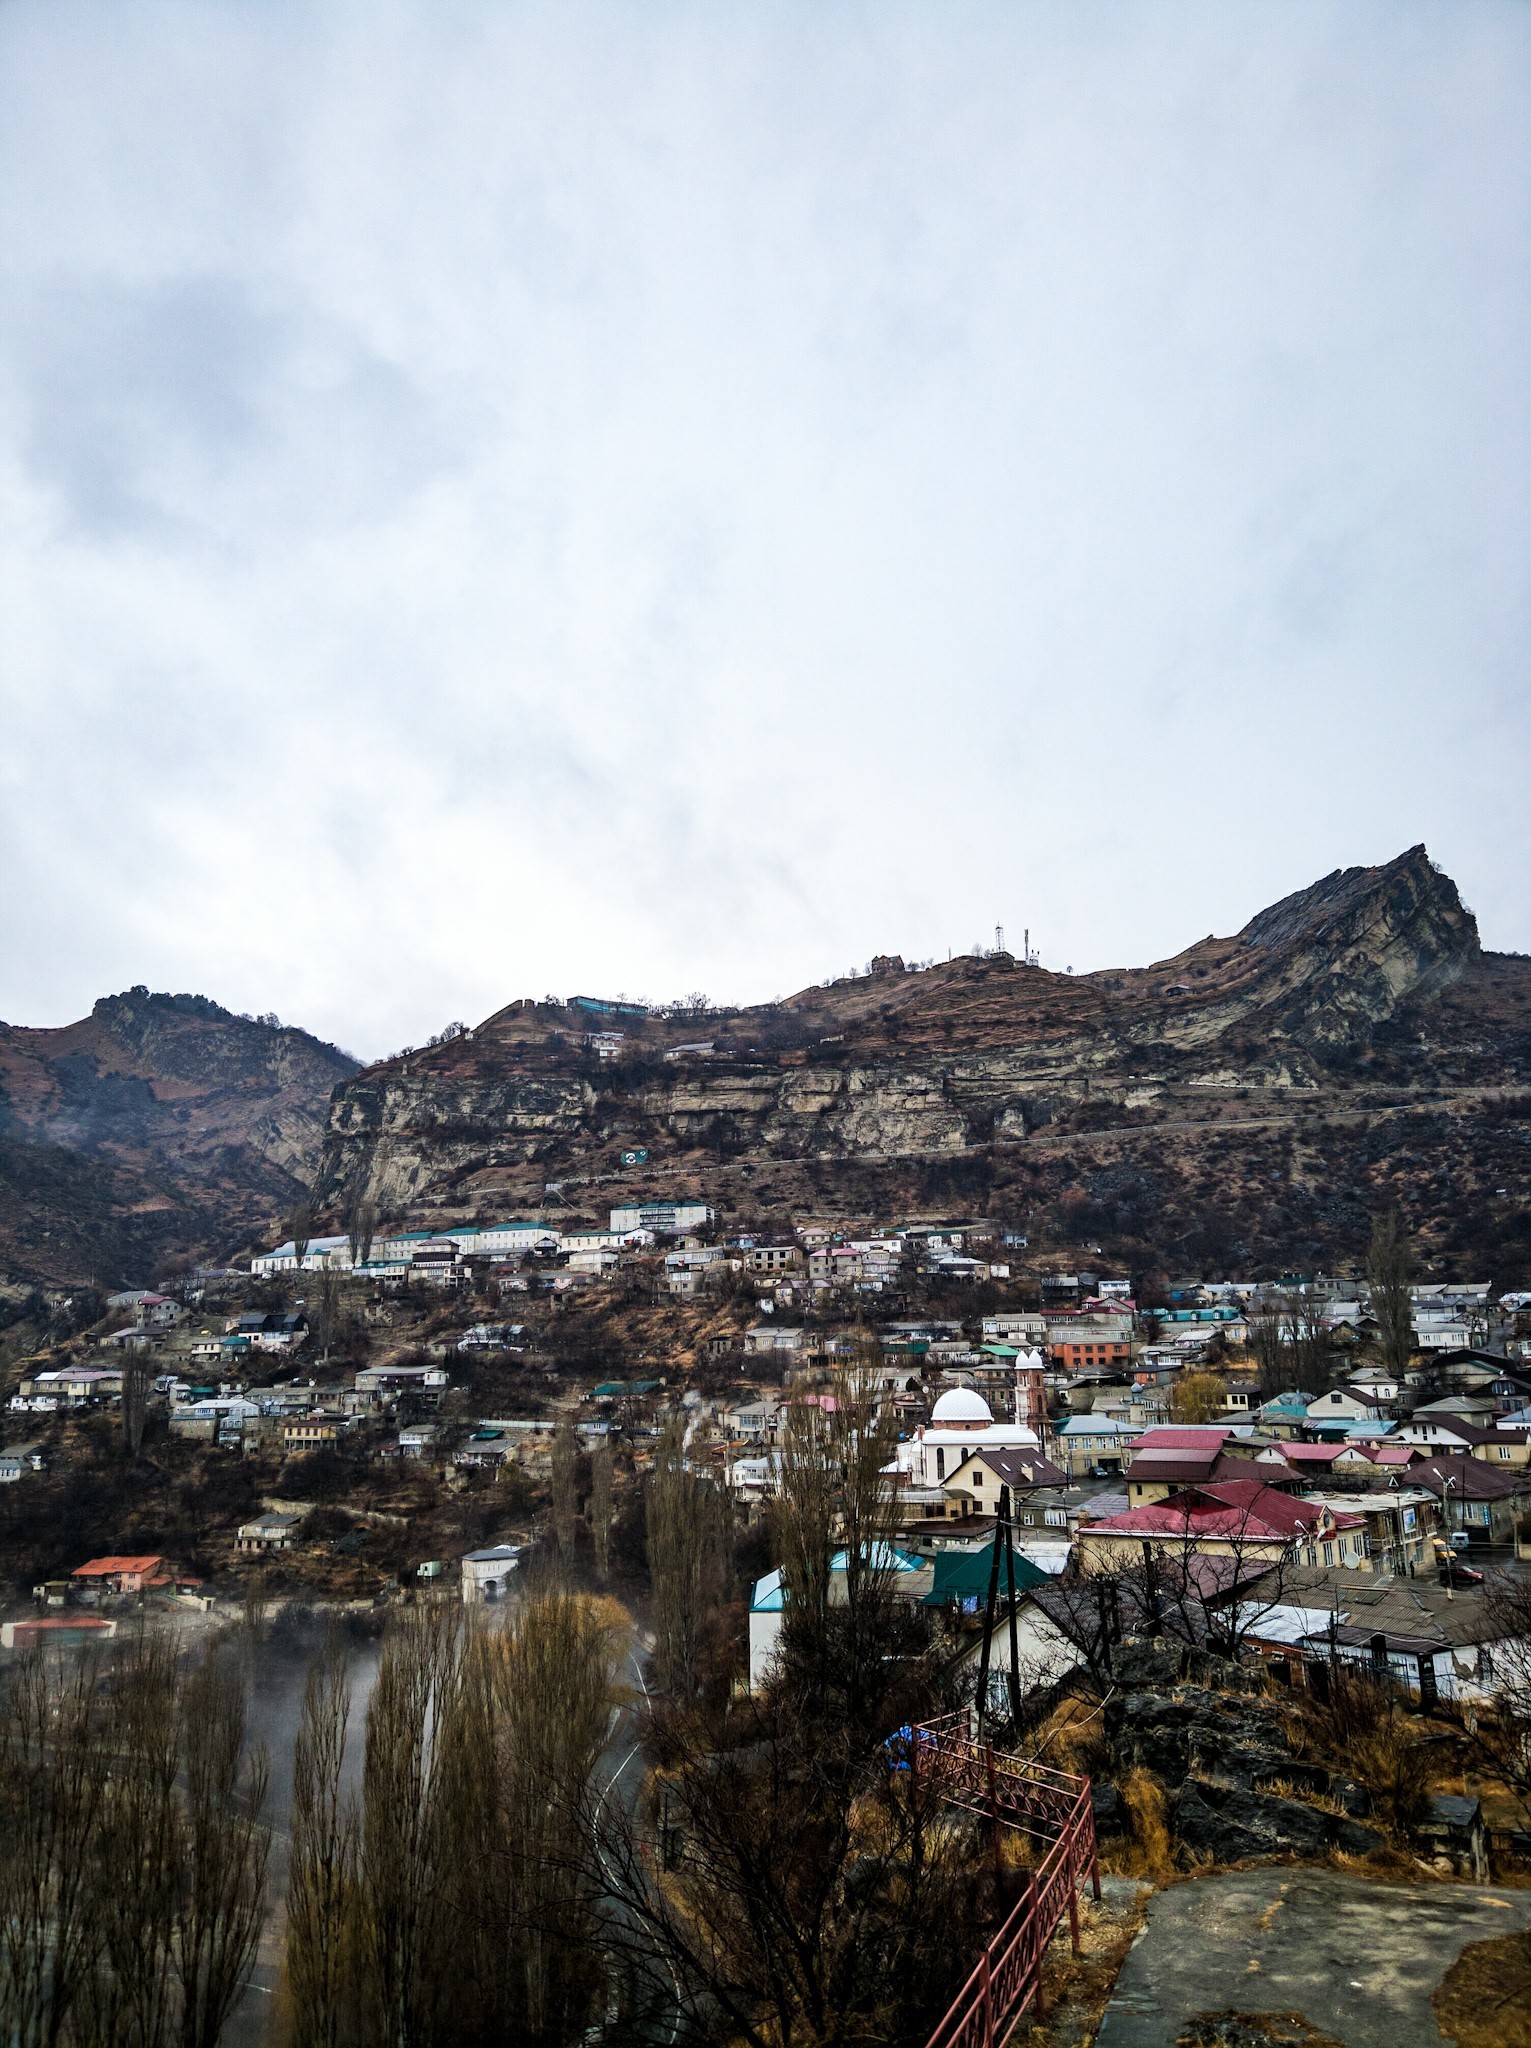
(502, 500)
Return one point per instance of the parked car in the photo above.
(1455, 1573)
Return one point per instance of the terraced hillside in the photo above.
(1249, 1102)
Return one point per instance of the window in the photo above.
(1328, 1553)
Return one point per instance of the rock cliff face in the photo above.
(157, 1124)
(961, 1065)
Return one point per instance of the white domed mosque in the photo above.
(961, 1422)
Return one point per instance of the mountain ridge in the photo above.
(838, 1098)
(1249, 1098)
(160, 1126)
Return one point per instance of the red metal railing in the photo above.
(1050, 1806)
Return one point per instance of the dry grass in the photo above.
(1365, 1727)
(1146, 1851)
(1286, 1788)
(1077, 1989)
(1072, 1738)
(1484, 2000)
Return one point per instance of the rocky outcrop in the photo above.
(936, 1064)
(1223, 1753)
(1229, 1825)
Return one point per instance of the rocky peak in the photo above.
(1354, 946)
(1409, 893)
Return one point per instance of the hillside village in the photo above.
(373, 1418)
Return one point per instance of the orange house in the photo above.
(120, 1574)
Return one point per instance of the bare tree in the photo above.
(687, 1549)
(1388, 1266)
(404, 1859)
(1309, 1338)
(1502, 1730)
(1290, 1341)
(131, 1993)
(478, 1890)
(322, 1862)
(835, 1524)
(301, 1223)
(1199, 1587)
(600, 1508)
(551, 1684)
(137, 1378)
(1268, 1342)
(785, 1885)
(565, 1493)
(328, 1309)
(361, 1227)
(223, 1851)
(132, 1858)
(53, 1782)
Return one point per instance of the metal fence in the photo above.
(1050, 1806)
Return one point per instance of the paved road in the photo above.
(1356, 1958)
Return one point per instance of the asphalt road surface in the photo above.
(1356, 1958)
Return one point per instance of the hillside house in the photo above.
(111, 1575)
(774, 1258)
(69, 1386)
(1484, 1502)
(669, 1219)
(1443, 1431)
(1238, 1518)
(18, 1461)
(486, 1574)
(1343, 1406)
(310, 1433)
(980, 1476)
(1410, 1632)
(911, 1578)
(320, 1254)
(392, 1382)
(1092, 1444)
(269, 1532)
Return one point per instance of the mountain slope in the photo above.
(984, 1082)
(159, 1125)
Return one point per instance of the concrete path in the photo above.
(1356, 1958)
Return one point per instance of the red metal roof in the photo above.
(113, 1567)
(1242, 1509)
(1171, 1436)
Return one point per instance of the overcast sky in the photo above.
(511, 500)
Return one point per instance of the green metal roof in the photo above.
(964, 1575)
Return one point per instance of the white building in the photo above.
(960, 1423)
(577, 1241)
(319, 1255)
(910, 1577)
(1018, 1326)
(486, 1573)
(512, 1240)
(662, 1216)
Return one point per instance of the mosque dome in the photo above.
(962, 1405)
